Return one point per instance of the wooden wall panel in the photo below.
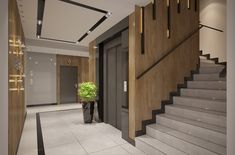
(132, 75)
(17, 109)
(83, 70)
(92, 62)
(147, 93)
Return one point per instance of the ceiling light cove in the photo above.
(40, 15)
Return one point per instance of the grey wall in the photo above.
(40, 81)
(213, 13)
(4, 77)
(231, 78)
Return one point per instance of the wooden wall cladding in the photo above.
(92, 62)
(17, 109)
(80, 62)
(147, 93)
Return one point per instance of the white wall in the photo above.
(231, 78)
(40, 82)
(213, 13)
(4, 77)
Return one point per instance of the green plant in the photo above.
(87, 91)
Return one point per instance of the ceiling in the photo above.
(64, 21)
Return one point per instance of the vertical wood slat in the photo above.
(168, 19)
(142, 30)
(178, 6)
(154, 9)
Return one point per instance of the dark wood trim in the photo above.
(166, 102)
(41, 105)
(41, 150)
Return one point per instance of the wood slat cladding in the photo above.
(80, 62)
(92, 62)
(147, 93)
(17, 109)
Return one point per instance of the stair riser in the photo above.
(207, 85)
(207, 77)
(146, 148)
(178, 143)
(198, 116)
(196, 131)
(203, 104)
(204, 94)
(210, 70)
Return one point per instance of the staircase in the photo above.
(195, 124)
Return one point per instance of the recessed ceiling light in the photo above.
(108, 14)
(39, 22)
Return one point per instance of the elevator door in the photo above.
(116, 81)
(68, 84)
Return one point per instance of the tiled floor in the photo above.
(65, 133)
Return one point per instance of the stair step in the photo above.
(209, 64)
(219, 85)
(198, 129)
(153, 146)
(208, 77)
(203, 58)
(203, 93)
(210, 70)
(215, 105)
(207, 61)
(201, 115)
(187, 143)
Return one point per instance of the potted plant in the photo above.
(87, 92)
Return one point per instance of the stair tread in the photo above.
(205, 91)
(202, 99)
(195, 123)
(158, 145)
(189, 138)
(212, 77)
(215, 81)
(198, 110)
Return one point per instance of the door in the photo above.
(115, 81)
(68, 84)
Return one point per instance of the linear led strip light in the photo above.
(41, 6)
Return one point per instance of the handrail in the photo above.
(209, 27)
(169, 52)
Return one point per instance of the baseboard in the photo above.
(40, 105)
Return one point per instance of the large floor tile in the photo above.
(97, 143)
(68, 149)
(112, 151)
(132, 150)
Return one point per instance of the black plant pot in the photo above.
(88, 111)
